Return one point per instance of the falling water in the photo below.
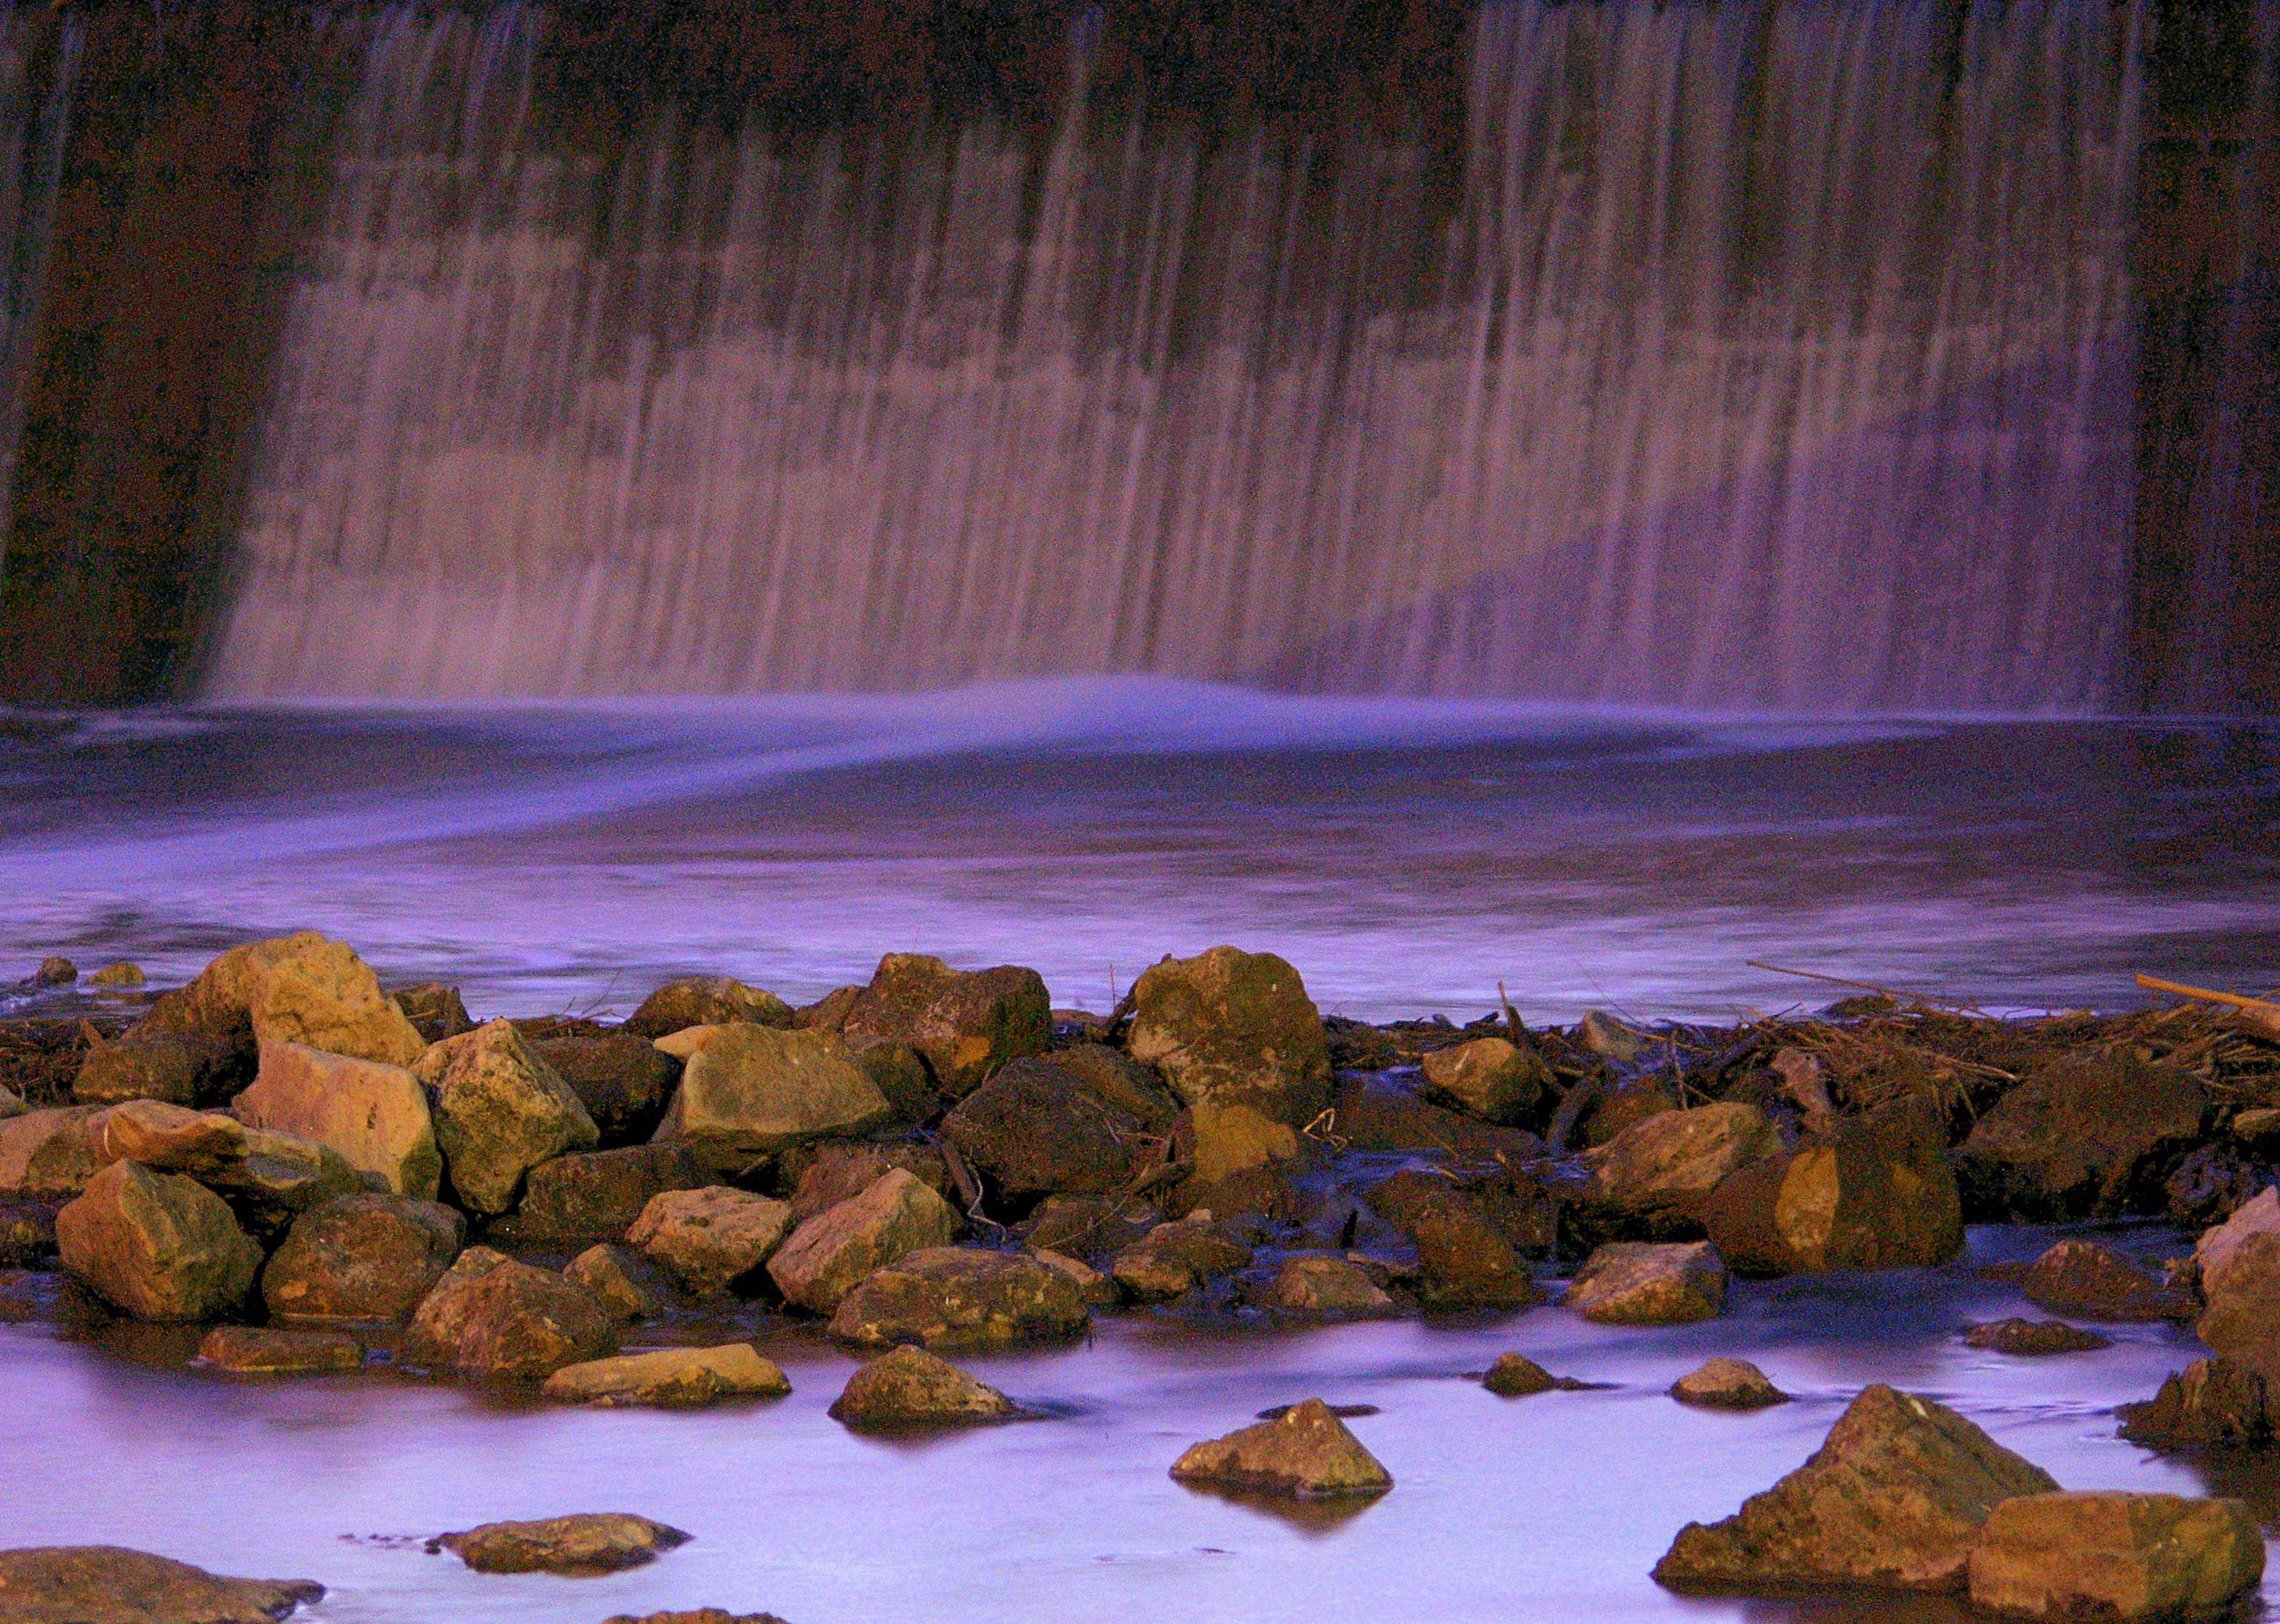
(1766, 355)
(32, 131)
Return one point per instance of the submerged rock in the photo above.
(303, 989)
(909, 1386)
(705, 1001)
(494, 1318)
(701, 1615)
(592, 1543)
(376, 1115)
(2096, 1282)
(1515, 1375)
(2114, 1556)
(107, 1584)
(1234, 1028)
(1874, 1192)
(499, 1112)
(122, 974)
(366, 1259)
(966, 1023)
(1893, 1499)
(953, 1297)
(624, 1283)
(1491, 1077)
(262, 1350)
(671, 1378)
(710, 1239)
(835, 1252)
(2033, 1338)
(2209, 1401)
(1726, 1384)
(1309, 1454)
(2075, 1137)
(156, 1245)
(750, 1091)
(600, 1195)
(1638, 1284)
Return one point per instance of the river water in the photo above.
(1406, 855)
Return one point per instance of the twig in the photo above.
(2266, 1014)
(1892, 993)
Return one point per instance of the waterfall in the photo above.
(1768, 355)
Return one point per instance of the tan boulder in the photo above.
(264, 1350)
(953, 1297)
(363, 1258)
(966, 1023)
(1306, 1453)
(750, 1091)
(156, 1245)
(624, 1283)
(1176, 1258)
(1489, 1077)
(120, 973)
(2208, 1402)
(499, 1112)
(591, 1543)
(909, 1386)
(1327, 1288)
(303, 989)
(1675, 1158)
(2242, 1319)
(494, 1318)
(1876, 1192)
(107, 1584)
(376, 1115)
(1635, 1283)
(835, 1252)
(48, 1155)
(267, 1176)
(161, 1066)
(1726, 1384)
(671, 1378)
(2128, 1558)
(1893, 1499)
(1236, 1028)
(2221, 1244)
(706, 1001)
(710, 1239)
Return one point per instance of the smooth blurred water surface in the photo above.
(1406, 855)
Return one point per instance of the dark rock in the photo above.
(953, 1297)
(1325, 1287)
(902, 1076)
(161, 1066)
(255, 1350)
(2079, 1137)
(1121, 1082)
(1375, 1114)
(1726, 1384)
(1086, 1226)
(49, 1155)
(705, 1001)
(2030, 1338)
(106, 1584)
(27, 1232)
(823, 1175)
(599, 1194)
(434, 1010)
(1627, 1104)
(594, 1543)
(624, 1080)
(1173, 1259)
(54, 971)
(2210, 1401)
(2094, 1282)
(1489, 1077)
(909, 1386)
(966, 1023)
(1876, 1192)
(494, 1318)
(1467, 1263)
(1233, 1028)
(2212, 1185)
(366, 1259)
(1036, 1127)
(1515, 1375)
(624, 1283)
(1306, 1454)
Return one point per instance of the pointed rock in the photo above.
(835, 1252)
(500, 1111)
(909, 1386)
(1309, 1454)
(376, 1115)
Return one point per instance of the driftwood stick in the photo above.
(2264, 1013)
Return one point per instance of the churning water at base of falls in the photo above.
(1406, 855)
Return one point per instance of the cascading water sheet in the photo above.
(1758, 356)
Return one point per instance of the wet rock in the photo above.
(1240, 1161)
(701, 1615)
(1491, 1077)
(2034, 1338)
(1233, 1028)
(261, 1351)
(2114, 1556)
(375, 1116)
(749, 1091)
(1466, 1260)
(1638, 1283)
(706, 1001)
(1093, 1286)
(1893, 1499)
(2211, 1184)
(1034, 1128)
(49, 1155)
(1515, 1375)
(624, 1283)
(1326, 1287)
(266, 1176)
(1675, 1158)
(965, 1023)
(54, 971)
(2077, 1137)
(435, 1011)
(107, 1584)
(303, 989)
(835, 1252)
(909, 1386)
(902, 1076)
(1176, 1258)
(710, 1239)
(594, 1543)
(599, 1194)
(953, 1297)
(363, 1258)
(499, 1112)
(623, 1079)
(1876, 1193)
(27, 1232)
(1307, 1454)
(156, 1245)
(2241, 1282)
(1086, 1226)
(1121, 1083)
(2209, 1401)
(1376, 1115)
(2215, 1251)
(161, 1067)
(119, 974)
(1726, 1384)
(824, 1175)
(1626, 1104)
(2091, 1282)
(492, 1318)
(670, 1379)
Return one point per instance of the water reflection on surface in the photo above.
(1552, 1508)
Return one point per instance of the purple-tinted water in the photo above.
(1406, 856)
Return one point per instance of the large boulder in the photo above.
(1675, 1158)
(1234, 1028)
(750, 1091)
(1239, 1160)
(499, 1112)
(671, 1378)
(1121, 1082)
(966, 1023)
(950, 1296)
(1638, 1284)
(2128, 1558)
(1305, 1453)
(1037, 1127)
(835, 1252)
(705, 1001)
(1176, 1258)
(590, 1542)
(1489, 1077)
(1893, 1499)
(494, 1318)
(711, 1239)
(2219, 1247)
(2082, 1278)
(162, 1066)
(302, 989)
(266, 1176)
(597, 1195)
(2242, 1319)
(376, 1115)
(2079, 1137)
(1876, 1193)
(49, 1155)
(909, 1386)
(1465, 1259)
(107, 1584)
(156, 1245)
(623, 1079)
(2208, 1402)
(364, 1259)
